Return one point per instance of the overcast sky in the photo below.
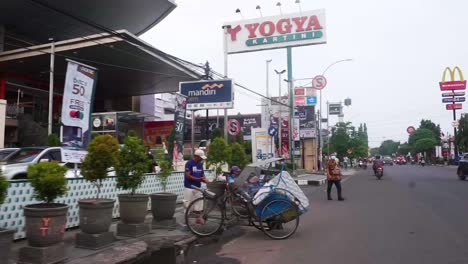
(399, 50)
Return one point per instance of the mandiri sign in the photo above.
(212, 94)
(289, 30)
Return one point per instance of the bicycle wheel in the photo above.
(239, 207)
(204, 216)
(279, 224)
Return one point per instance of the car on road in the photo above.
(462, 170)
(388, 161)
(6, 152)
(16, 166)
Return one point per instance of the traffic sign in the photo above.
(410, 129)
(272, 131)
(453, 106)
(299, 101)
(311, 100)
(234, 127)
(453, 100)
(452, 94)
(319, 82)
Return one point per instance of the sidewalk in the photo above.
(167, 245)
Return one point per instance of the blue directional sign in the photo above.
(311, 100)
(453, 100)
(272, 131)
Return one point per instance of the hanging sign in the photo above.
(453, 106)
(179, 120)
(452, 94)
(453, 100)
(80, 81)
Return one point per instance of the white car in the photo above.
(6, 152)
(16, 166)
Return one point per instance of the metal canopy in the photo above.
(125, 69)
(39, 23)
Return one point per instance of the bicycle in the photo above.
(277, 215)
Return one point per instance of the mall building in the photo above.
(91, 33)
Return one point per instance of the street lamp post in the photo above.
(280, 120)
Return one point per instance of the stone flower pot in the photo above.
(45, 223)
(133, 208)
(163, 206)
(95, 215)
(6, 239)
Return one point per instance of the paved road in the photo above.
(414, 215)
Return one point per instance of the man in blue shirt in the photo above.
(194, 175)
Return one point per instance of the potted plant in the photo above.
(102, 157)
(218, 156)
(163, 204)
(6, 235)
(133, 163)
(49, 182)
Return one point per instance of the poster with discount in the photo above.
(179, 120)
(80, 82)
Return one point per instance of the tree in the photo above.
(218, 154)
(375, 151)
(462, 134)
(404, 149)
(419, 134)
(237, 155)
(388, 147)
(428, 124)
(340, 139)
(425, 145)
(216, 133)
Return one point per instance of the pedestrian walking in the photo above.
(333, 177)
(194, 176)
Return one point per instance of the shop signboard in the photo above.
(311, 100)
(453, 106)
(452, 94)
(211, 94)
(452, 83)
(273, 32)
(307, 133)
(80, 82)
(247, 123)
(453, 100)
(299, 101)
(179, 120)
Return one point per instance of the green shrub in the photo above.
(48, 180)
(163, 175)
(133, 163)
(53, 141)
(103, 155)
(4, 184)
(237, 155)
(218, 154)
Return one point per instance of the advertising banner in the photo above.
(261, 145)
(156, 133)
(300, 101)
(334, 109)
(296, 136)
(73, 155)
(247, 123)
(453, 100)
(78, 94)
(285, 137)
(104, 122)
(212, 94)
(179, 120)
(453, 106)
(307, 132)
(273, 32)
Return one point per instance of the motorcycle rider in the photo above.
(377, 163)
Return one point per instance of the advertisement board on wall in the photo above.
(157, 132)
(76, 106)
(334, 109)
(211, 94)
(247, 123)
(273, 32)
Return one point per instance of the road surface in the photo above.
(413, 215)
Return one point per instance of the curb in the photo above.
(310, 182)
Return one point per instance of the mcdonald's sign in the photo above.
(452, 84)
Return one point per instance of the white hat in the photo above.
(200, 153)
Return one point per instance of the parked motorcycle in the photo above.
(379, 173)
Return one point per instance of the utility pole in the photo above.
(51, 86)
(280, 119)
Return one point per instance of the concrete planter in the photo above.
(163, 205)
(45, 223)
(133, 208)
(6, 239)
(95, 215)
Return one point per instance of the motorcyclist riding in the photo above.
(377, 163)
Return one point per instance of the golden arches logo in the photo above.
(212, 86)
(452, 84)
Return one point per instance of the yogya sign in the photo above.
(300, 29)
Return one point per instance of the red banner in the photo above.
(452, 85)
